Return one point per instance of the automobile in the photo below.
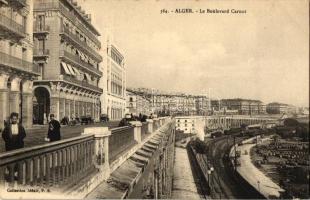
(86, 119)
(104, 118)
(216, 134)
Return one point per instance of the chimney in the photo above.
(88, 18)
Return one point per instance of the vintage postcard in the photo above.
(154, 99)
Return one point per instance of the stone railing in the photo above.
(53, 164)
(144, 130)
(73, 166)
(121, 139)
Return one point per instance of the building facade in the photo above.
(66, 48)
(137, 104)
(243, 106)
(17, 70)
(279, 108)
(114, 83)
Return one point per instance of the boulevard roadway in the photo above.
(224, 185)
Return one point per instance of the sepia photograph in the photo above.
(154, 99)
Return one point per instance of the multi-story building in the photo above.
(66, 48)
(244, 106)
(17, 70)
(202, 105)
(162, 103)
(114, 83)
(279, 108)
(137, 103)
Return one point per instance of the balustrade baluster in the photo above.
(59, 167)
(41, 180)
(72, 161)
(35, 170)
(54, 166)
(76, 168)
(48, 169)
(28, 172)
(21, 179)
(68, 163)
(11, 168)
(79, 158)
(89, 155)
(63, 165)
(85, 157)
(2, 176)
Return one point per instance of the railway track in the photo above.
(223, 182)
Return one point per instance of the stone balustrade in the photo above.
(62, 165)
(50, 165)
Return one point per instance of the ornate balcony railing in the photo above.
(81, 44)
(41, 29)
(8, 24)
(41, 52)
(19, 3)
(80, 83)
(78, 61)
(69, 15)
(17, 63)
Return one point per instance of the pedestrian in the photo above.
(13, 133)
(13, 136)
(125, 121)
(53, 133)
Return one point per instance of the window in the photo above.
(41, 44)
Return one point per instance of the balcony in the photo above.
(81, 44)
(19, 3)
(40, 55)
(69, 15)
(17, 63)
(41, 31)
(80, 83)
(77, 61)
(10, 28)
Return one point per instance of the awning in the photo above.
(71, 70)
(76, 71)
(82, 56)
(65, 67)
(88, 77)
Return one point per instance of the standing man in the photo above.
(53, 129)
(13, 134)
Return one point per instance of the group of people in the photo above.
(132, 117)
(14, 133)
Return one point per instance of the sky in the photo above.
(261, 54)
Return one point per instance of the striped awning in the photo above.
(65, 67)
(77, 72)
(71, 70)
(88, 77)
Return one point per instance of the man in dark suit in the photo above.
(13, 134)
(53, 129)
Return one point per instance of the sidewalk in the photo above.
(184, 186)
(36, 134)
(254, 176)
